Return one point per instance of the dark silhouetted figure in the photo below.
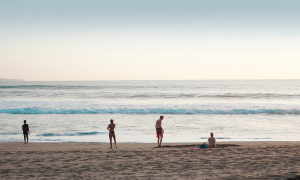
(25, 129)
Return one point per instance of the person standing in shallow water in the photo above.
(25, 128)
(111, 128)
(159, 131)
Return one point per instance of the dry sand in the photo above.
(232, 160)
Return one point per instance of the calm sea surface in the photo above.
(79, 111)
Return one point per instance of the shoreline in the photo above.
(65, 146)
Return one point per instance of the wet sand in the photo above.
(231, 160)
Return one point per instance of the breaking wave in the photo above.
(72, 134)
(35, 110)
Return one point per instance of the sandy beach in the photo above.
(231, 160)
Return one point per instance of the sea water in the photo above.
(79, 111)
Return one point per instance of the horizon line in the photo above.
(21, 80)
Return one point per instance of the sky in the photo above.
(59, 40)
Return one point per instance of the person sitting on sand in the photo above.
(159, 131)
(212, 141)
(25, 128)
(111, 128)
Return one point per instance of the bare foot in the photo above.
(116, 147)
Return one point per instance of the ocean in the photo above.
(79, 111)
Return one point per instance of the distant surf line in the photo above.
(35, 110)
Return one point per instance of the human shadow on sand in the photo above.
(194, 145)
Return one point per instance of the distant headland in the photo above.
(9, 80)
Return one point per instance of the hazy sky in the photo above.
(149, 39)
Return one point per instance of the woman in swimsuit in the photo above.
(111, 128)
(212, 141)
